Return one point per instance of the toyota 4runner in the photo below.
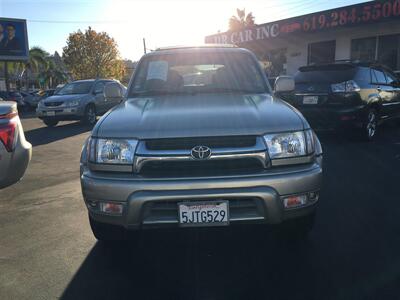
(200, 140)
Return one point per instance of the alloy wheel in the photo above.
(371, 124)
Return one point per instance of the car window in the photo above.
(98, 89)
(364, 75)
(378, 76)
(188, 72)
(390, 77)
(76, 88)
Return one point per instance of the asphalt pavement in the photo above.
(47, 250)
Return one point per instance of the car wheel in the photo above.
(50, 123)
(370, 127)
(106, 232)
(89, 116)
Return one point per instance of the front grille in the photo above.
(167, 211)
(212, 142)
(205, 168)
(52, 104)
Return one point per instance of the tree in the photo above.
(37, 59)
(92, 55)
(52, 75)
(241, 21)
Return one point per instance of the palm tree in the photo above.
(36, 62)
(241, 20)
(53, 75)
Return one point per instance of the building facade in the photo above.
(368, 31)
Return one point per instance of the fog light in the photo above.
(295, 201)
(313, 196)
(111, 208)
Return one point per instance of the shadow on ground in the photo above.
(232, 264)
(46, 135)
(199, 264)
(27, 114)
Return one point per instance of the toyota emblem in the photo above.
(200, 152)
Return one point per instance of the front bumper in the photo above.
(60, 113)
(153, 202)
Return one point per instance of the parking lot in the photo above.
(47, 250)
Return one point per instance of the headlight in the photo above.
(72, 103)
(290, 144)
(112, 151)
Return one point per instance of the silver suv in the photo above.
(200, 140)
(79, 100)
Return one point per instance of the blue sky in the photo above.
(161, 22)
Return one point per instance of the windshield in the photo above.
(198, 73)
(76, 88)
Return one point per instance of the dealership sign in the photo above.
(364, 13)
(13, 40)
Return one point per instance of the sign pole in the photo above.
(144, 45)
(6, 76)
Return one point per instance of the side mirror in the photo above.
(284, 84)
(112, 91)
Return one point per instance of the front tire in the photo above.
(106, 233)
(50, 122)
(89, 117)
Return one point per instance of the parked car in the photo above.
(79, 100)
(33, 102)
(28, 98)
(14, 96)
(15, 151)
(59, 87)
(355, 95)
(200, 153)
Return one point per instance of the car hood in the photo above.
(62, 98)
(198, 115)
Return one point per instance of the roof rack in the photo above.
(347, 61)
(197, 46)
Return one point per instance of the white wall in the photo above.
(297, 47)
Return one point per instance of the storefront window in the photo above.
(388, 51)
(322, 52)
(363, 49)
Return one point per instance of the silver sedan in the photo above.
(15, 151)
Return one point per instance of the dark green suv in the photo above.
(356, 95)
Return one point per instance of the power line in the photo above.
(77, 22)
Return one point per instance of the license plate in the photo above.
(310, 100)
(214, 213)
(50, 113)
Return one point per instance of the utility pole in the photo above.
(144, 46)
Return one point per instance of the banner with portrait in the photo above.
(13, 40)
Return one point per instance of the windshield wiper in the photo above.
(159, 92)
(233, 91)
